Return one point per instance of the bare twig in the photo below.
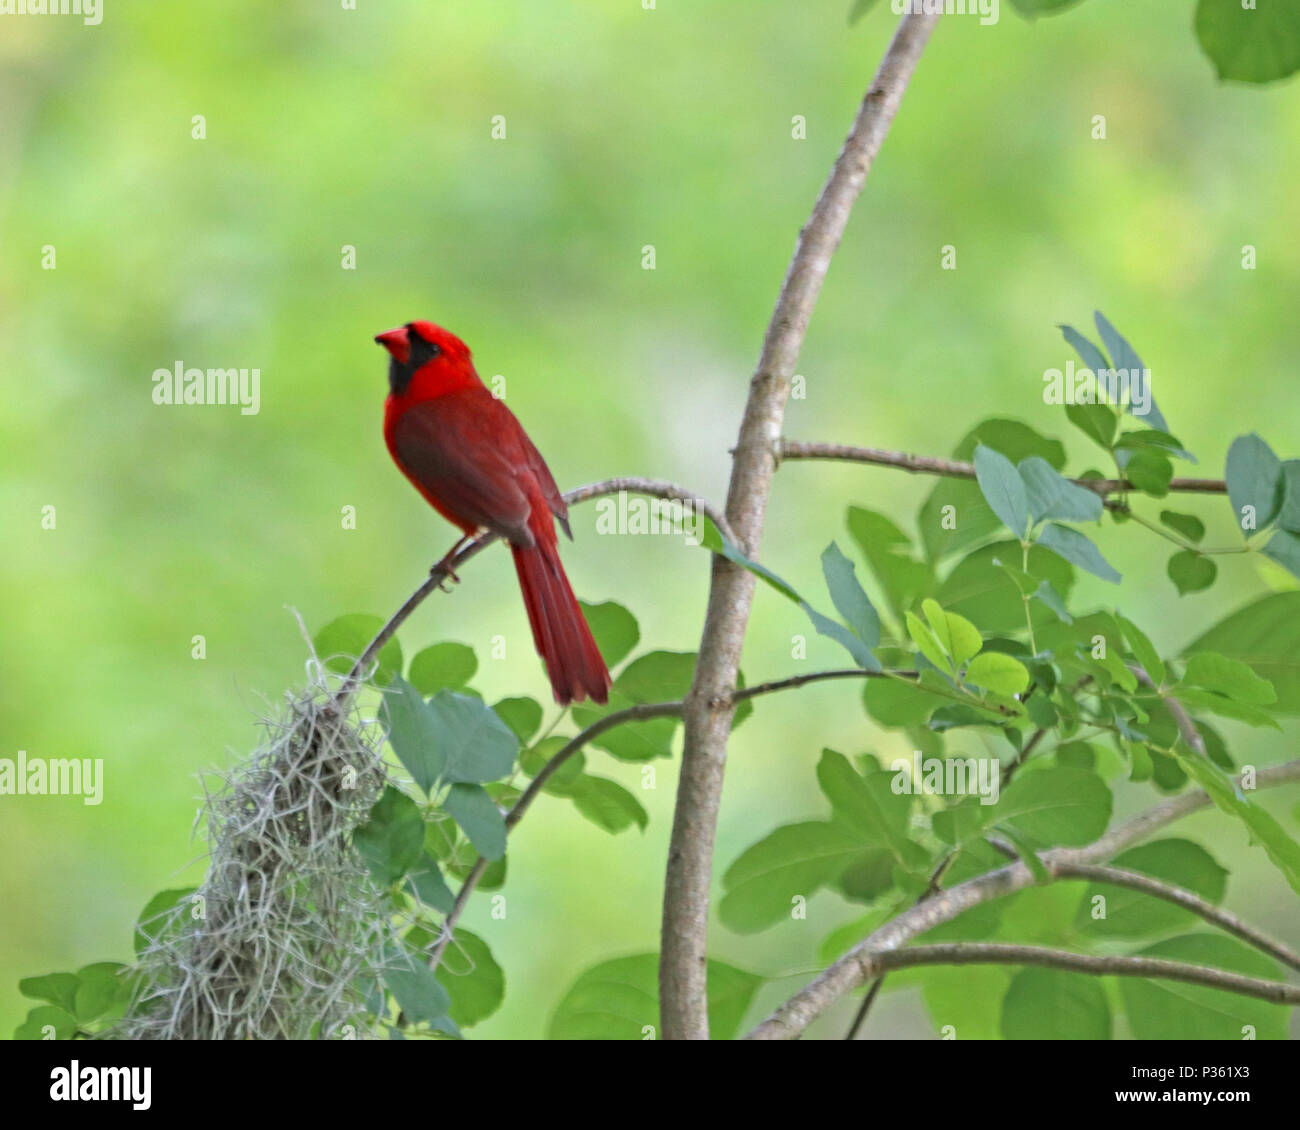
(817, 677)
(1179, 896)
(682, 998)
(956, 469)
(991, 953)
(1186, 727)
(855, 967)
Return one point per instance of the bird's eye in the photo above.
(423, 351)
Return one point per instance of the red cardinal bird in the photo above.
(466, 453)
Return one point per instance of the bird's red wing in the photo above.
(464, 458)
(545, 480)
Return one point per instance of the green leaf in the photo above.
(1014, 438)
(1289, 518)
(342, 641)
(608, 805)
(475, 984)
(161, 917)
(657, 676)
(444, 666)
(928, 644)
(413, 732)
(1229, 677)
(61, 1025)
(965, 1000)
(851, 642)
(533, 761)
(1052, 599)
(58, 988)
(614, 629)
(415, 987)
(1189, 525)
(1264, 828)
(473, 744)
(714, 541)
(844, 937)
(1124, 357)
(619, 1000)
(1256, 484)
(1079, 549)
(1089, 353)
(522, 715)
(888, 551)
(868, 805)
(958, 637)
(1028, 856)
(998, 673)
(478, 817)
(1284, 548)
(1054, 806)
(1150, 472)
(1132, 914)
(631, 741)
(793, 861)
(899, 702)
(425, 878)
(1097, 421)
(850, 601)
(1256, 45)
(1196, 699)
(978, 589)
(1003, 489)
(392, 838)
(1191, 571)
(955, 516)
(1151, 440)
(1174, 1010)
(100, 987)
(1051, 495)
(868, 877)
(1265, 635)
(1048, 1004)
(1142, 650)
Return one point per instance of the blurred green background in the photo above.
(372, 128)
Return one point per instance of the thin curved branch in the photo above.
(955, 468)
(991, 953)
(1179, 896)
(638, 713)
(683, 1005)
(816, 677)
(846, 974)
(655, 488)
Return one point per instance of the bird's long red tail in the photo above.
(573, 662)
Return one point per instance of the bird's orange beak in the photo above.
(397, 342)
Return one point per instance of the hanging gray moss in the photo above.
(285, 936)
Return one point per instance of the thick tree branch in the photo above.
(683, 1006)
(956, 469)
(986, 953)
(846, 974)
